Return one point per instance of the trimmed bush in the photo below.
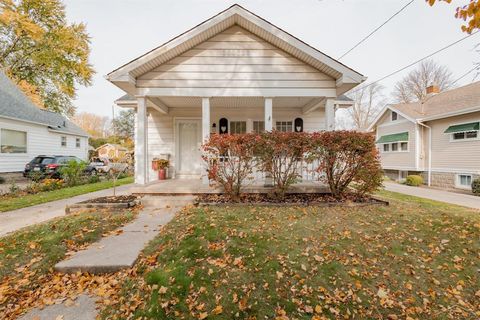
(230, 160)
(280, 154)
(414, 180)
(476, 187)
(347, 158)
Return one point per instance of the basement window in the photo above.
(464, 181)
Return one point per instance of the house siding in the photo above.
(397, 160)
(458, 156)
(161, 127)
(39, 141)
(236, 59)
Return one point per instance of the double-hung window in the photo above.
(63, 141)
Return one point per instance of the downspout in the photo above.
(429, 152)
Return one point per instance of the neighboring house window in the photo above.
(465, 135)
(404, 146)
(284, 126)
(13, 141)
(464, 181)
(237, 127)
(394, 116)
(394, 147)
(77, 142)
(258, 126)
(386, 147)
(63, 141)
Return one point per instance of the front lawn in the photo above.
(27, 257)
(415, 259)
(8, 203)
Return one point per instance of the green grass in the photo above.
(13, 203)
(415, 259)
(27, 256)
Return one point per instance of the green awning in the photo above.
(473, 126)
(396, 137)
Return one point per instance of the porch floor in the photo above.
(195, 186)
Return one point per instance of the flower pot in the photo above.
(155, 165)
(162, 174)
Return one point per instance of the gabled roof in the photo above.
(15, 105)
(125, 76)
(446, 104)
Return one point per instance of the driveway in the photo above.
(17, 219)
(460, 199)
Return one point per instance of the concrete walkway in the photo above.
(464, 200)
(117, 252)
(83, 308)
(13, 220)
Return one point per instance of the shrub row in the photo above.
(344, 159)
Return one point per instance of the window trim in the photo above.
(8, 154)
(391, 116)
(399, 150)
(78, 142)
(457, 181)
(61, 142)
(274, 122)
(451, 139)
(230, 125)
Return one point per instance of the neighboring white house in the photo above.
(438, 138)
(27, 131)
(234, 73)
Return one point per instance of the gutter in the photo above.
(429, 152)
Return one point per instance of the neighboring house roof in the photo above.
(449, 103)
(14, 104)
(124, 76)
(116, 146)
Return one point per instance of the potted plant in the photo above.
(162, 165)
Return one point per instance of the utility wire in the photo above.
(376, 29)
(414, 63)
(467, 73)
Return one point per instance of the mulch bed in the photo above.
(292, 199)
(117, 199)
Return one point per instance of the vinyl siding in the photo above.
(161, 127)
(236, 59)
(39, 141)
(458, 156)
(397, 160)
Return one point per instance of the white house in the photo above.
(27, 131)
(235, 73)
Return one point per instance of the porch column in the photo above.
(268, 114)
(330, 115)
(205, 130)
(141, 149)
(268, 127)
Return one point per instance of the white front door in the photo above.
(189, 140)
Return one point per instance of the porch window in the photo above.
(258, 126)
(238, 127)
(284, 126)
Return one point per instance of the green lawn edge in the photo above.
(44, 197)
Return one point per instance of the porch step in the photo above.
(164, 201)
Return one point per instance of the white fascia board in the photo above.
(237, 92)
(450, 114)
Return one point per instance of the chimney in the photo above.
(433, 89)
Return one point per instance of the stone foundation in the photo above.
(443, 180)
(391, 174)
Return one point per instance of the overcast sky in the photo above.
(121, 30)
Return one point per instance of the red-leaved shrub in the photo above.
(230, 160)
(280, 154)
(347, 158)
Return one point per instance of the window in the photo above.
(77, 142)
(402, 175)
(386, 147)
(394, 116)
(237, 127)
(404, 146)
(465, 135)
(258, 126)
(464, 181)
(284, 126)
(63, 141)
(395, 146)
(13, 141)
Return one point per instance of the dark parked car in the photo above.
(49, 166)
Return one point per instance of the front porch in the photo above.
(196, 187)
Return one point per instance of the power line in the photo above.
(376, 29)
(467, 73)
(414, 63)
